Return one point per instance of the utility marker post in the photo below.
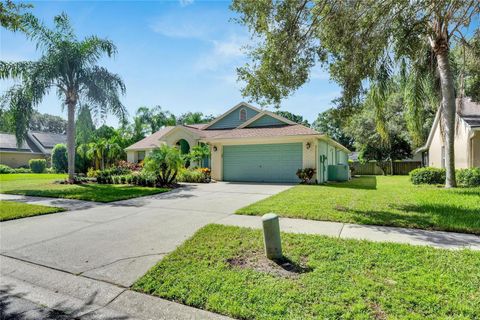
(271, 236)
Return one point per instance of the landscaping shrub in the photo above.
(37, 165)
(164, 163)
(468, 177)
(23, 170)
(190, 175)
(59, 158)
(306, 174)
(427, 175)
(92, 173)
(130, 165)
(108, 175)
(6, 169)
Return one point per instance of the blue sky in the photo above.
(181, 55)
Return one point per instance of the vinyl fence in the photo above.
(371, 168)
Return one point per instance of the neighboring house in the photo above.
(249, 144)
(467, 138)
(37, 145)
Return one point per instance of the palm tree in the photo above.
(68, 65)
(156, 117)
(164, 162)
(96, 152)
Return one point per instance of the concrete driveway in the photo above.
(119, 242)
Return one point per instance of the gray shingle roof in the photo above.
(8, 142)
(49, 140)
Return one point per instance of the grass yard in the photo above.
(379, 200)
(43, 185)
(10, 210)
(221, 269)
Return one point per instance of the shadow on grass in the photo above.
(363, 182)
(13, 306)
(91, 192)
(424, 216)
(291, 266)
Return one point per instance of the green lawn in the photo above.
(342, 279)
(43, 185)
(390, 201)
(10, 210)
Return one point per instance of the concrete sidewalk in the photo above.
(438, 239)
(31, 291)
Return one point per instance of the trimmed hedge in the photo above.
(37, 165)
(59, 158)
(468, 177)
(6, 169)
(428, 175)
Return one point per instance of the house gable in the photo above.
(266, 119)
(233, 117)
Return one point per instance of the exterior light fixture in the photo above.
(308, 145)
(214, 148)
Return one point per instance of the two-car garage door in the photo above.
(262, 162)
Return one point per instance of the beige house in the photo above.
(250, 144)
(467, 138)
(37, 145)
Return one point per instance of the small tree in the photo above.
(59, 158)
(198, 153)
(164, 162)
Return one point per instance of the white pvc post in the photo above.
(271, 236)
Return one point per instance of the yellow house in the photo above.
(467, 138)
(37, 145)
(250, 144)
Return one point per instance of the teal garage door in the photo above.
(262, 162)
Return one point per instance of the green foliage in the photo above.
(85, 129)
(199, 175)
(306, 174)
(378, 200)
(107, 176)
(164, 162)
(293, 117)
(156, 117)
(59, 158)
(42, 122)
(46, 185)
(331, 123)
(198, 153)
(194, 118)
(37, 165)
(469, 177)
(427, 175)
(67, 65)
(6, 169)
(222, 269)
(13, 14)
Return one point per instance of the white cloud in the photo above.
(185, 3)
(225, 53)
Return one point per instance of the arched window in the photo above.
(243, 115)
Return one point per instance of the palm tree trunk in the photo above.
(71, 140)
(448, 113)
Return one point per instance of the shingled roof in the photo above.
(8, 142)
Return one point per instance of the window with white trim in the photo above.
(243, 115)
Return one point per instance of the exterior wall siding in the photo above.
(475, 143)
(232, 120)
(462, 151)
(17, 159)
(322, 167)
(265, 121)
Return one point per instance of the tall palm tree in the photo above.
(68, 65)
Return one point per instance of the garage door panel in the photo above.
(262, 163)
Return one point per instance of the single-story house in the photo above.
(37, 145)
(467, 138)
(249, 144)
